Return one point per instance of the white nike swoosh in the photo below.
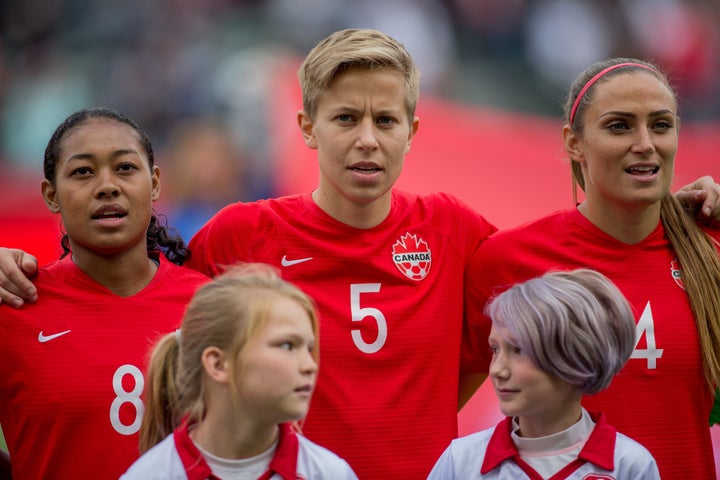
(287, 263)
(46, 338)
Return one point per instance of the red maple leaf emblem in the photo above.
(412, 256)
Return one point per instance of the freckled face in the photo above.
(104, 188)
(362, 133)
(627, 150)
(277, 373)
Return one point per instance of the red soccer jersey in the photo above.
(72, 366)
(660, 398)
(391, 312)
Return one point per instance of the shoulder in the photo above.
(314, 459)
(542, 225)
(184, 274)
(237, 219)
(161, 462)
(440, 201)
(627, 448)
(463, 457)
(242, 210)
(535, 231)
(633, 460)
(464, 449)
(474, 442)
(714, 233)
(445, 210)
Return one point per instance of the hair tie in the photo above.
(594, 79)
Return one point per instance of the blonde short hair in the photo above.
(349, 48)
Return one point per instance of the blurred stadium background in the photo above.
(213, 82)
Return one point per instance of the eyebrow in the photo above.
(115, 154)
(656, 113)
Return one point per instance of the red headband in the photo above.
(595, 79)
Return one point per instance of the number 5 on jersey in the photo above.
(360, 313)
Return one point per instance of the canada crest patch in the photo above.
(412, 257)
(676, 272)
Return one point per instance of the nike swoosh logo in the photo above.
(46, 338)
(287, 263)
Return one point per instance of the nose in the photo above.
(498, 367)
(107, 185)
(367, 140)
(644, 142)
(308, 365)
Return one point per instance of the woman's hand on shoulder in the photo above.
(702, 196)
(16, 268)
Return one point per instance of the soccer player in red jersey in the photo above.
(386, 267)
(71, 382)
(231, 385)
(621, 134)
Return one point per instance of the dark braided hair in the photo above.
(159, 235)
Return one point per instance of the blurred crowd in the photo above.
(198, 74)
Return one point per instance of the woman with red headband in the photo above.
(621, 134)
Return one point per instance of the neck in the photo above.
(549, 422)
(124, 274)
(625, 223)
(362, 216)
(226, 436)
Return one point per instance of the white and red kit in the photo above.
(492, 454)
(72, 369)
(660, 398)
(391, 314)
(296, 458)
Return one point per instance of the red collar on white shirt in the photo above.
(283, 463)
(599, 448)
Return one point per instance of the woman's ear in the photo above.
(571, 141)
(307, 128)
(155, 183)
(49, 194)
(216, 365)
(414, 125)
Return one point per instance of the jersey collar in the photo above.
(599, 449)
(283, 463)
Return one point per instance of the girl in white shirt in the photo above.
(553, 339)
(227, 390)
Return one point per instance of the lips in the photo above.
(505, 393)
(304, 389)
(643, 170)
(365, 167)
(109, 212)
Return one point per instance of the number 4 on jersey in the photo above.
(646, 328)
